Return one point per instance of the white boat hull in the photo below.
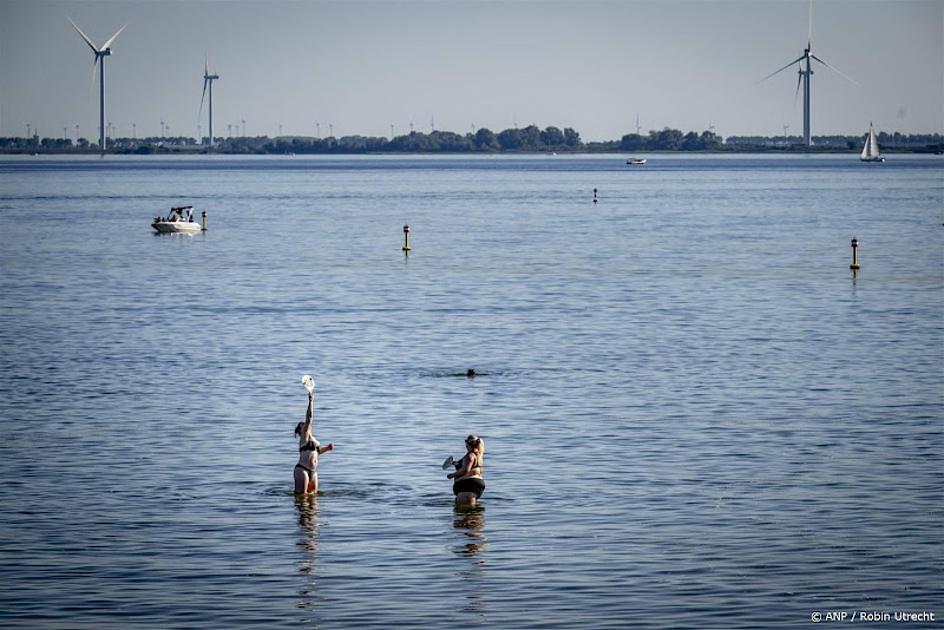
(176, 227)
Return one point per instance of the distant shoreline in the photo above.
(181, 151)
(528, 140)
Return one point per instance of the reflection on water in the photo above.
(472, 523)
(307, 506)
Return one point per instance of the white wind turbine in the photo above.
(805, 75)
(100, 54)
(208, 79)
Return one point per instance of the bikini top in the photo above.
(310, 445)
(475, 470)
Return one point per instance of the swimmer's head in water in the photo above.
(298, 428)
(470, 372)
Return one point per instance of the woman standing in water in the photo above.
(469, 483)
(306, 470)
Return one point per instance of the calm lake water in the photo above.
(695, 415)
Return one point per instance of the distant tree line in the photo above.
(887, 141)
(529, 139)
(671, 140)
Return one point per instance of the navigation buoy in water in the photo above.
(204, 216)
(595, 195)
(406, 238)
(855, 254)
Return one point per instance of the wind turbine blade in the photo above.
(94, 73)
(205, 81)
(796, 95)
(797, 60)
(840, 73)
(810, 38)
(206, 67)
(107, 44)
(84, 36)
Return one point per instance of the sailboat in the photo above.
(870, 150)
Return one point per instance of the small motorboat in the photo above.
(636, 161)
(179, 221)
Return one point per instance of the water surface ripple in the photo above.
(696, 416)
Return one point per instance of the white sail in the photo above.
(870, 150)
(867, 148)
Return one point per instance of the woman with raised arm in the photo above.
(306, 470)
(469, 483)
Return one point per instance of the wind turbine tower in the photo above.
(805, 71)
(208, 79)
(100, 54)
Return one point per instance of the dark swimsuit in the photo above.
(470, 484)
(307, 446)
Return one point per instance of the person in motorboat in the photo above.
(469, 484)
(306, 470)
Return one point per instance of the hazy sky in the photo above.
(362, 66)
